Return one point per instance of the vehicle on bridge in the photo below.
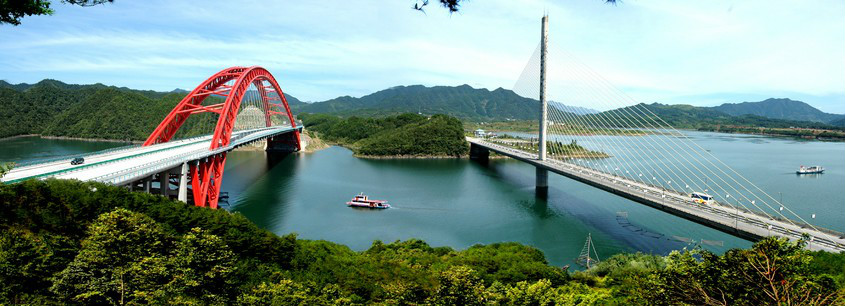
(361, 200)
(77, 161)
(701, 198)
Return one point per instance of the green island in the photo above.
(71, 242)
(405, 135)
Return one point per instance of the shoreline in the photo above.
(409, 156)
(18, 136)
(72, 138)
(772, 135)
(90, 139)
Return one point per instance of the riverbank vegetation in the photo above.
(555, 148)
(804, 133)
(69, 242)
(531, 126)
(405, 135)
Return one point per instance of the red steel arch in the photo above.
(207, 174)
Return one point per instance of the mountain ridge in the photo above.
(779, 108)
(34, 108)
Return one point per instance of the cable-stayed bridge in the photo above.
(630, 151)
(239, 105)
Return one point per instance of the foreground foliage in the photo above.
(67, 242)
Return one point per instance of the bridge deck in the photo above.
(744, 224)
(130, 164)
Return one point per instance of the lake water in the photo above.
(458, 203)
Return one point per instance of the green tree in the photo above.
(117, 245)
(5, 168)
(773, 272)
(25, 259)
(459, 286)
(202, 267)
(11, 11)
(288, 292)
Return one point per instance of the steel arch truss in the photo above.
(231, 83)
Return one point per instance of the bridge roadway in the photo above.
(131, 164)
(744, 224)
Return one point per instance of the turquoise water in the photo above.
(459, 203)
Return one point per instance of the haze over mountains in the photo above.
(52, 107)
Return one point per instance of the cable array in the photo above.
(636, 143)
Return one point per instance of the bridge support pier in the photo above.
(542, 188)
(479, 153)
(164, 182)
(183, 184)
(147, 183)
(285, 143)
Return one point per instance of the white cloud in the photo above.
(654, 50)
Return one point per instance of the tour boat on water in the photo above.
(809, 170)
(361, 200)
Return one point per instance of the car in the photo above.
(77, 161)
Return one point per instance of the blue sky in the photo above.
(693, 52)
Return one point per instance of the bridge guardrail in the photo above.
(86, 166)
(59, 158)
(141, 170)
(761, 219)
(125, 148)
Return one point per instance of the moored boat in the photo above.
(362, 200)
(809, 170)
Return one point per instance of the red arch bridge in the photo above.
(240, 105)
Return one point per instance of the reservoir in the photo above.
(458, 202)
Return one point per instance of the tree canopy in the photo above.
(69, 242)
(11, 11)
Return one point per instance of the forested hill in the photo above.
(54, 108)
(402, 135)
(692, 117)
(779, 109)
(459, 101)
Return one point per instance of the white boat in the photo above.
(809, 170)
(361, 200)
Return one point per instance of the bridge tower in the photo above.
(542, 188)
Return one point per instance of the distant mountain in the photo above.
(779, 109)
(459, 101)
(839, 123)
(688, 116)
(573, 109)
(293, 101)
(52, 107)
(18, 87)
